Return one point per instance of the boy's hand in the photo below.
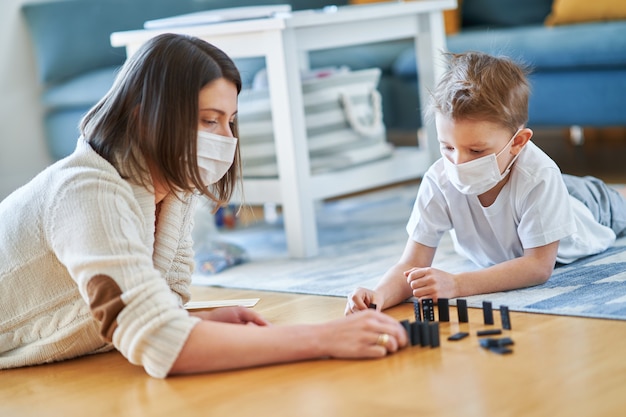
(361, 298)
(431, 283)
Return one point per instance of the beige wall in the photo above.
(22, 148)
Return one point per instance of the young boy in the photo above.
(506, 203)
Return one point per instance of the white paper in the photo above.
(219, 15)
(243, 302)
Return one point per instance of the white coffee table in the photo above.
(285, 42)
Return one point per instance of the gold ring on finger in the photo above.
(383, 339)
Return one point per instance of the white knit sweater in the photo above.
(77, 220)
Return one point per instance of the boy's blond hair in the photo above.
(478, 86)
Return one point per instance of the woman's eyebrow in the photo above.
(222, 112)
(212, 109)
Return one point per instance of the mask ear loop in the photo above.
(508, 167)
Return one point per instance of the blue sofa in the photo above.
(579, 73)
(578, 70)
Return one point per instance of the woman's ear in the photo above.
(521, 139)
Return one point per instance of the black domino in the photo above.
(428, 309)
(458, 336)
(489, 332)
(461, 306)
(372, 306)
(487, 312)
(505, 318)
(407, 328)
(489, 342)
(417, 311)
(424, 334)
(415, 333)
(444, 309)
(433, 329)
(501, 350)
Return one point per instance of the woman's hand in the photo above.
(431, 283)
(361, 298)
(236, 315)
(364, 334)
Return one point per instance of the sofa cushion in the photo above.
(62, 131)
(86, 89)
(585, 98)
(83, 90)
(579, 11)
(570, 47)
(593, 45)
(502, 13)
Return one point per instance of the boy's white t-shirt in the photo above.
(533, 209)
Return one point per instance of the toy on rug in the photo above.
(213, 254)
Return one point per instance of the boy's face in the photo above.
(465, 140)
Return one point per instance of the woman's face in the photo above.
(218, 107)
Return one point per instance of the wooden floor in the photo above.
(560, 366)
(602, 154)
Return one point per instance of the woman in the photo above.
(97, 251)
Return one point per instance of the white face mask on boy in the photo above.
(216, 154)
(480, 175)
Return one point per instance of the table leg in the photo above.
(430, 44)
(292, 153)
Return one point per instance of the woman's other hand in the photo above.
(236, 315)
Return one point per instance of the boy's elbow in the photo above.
(544, 274)
(542, 279)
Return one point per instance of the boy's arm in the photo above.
(393, 286)
(533, 268)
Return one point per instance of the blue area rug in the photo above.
(361, 237)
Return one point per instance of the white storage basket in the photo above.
(344, 123)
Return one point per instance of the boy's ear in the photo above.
(521, 139)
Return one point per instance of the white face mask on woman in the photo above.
(215, 155)
(480, 175)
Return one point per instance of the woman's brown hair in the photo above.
(151, 114)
